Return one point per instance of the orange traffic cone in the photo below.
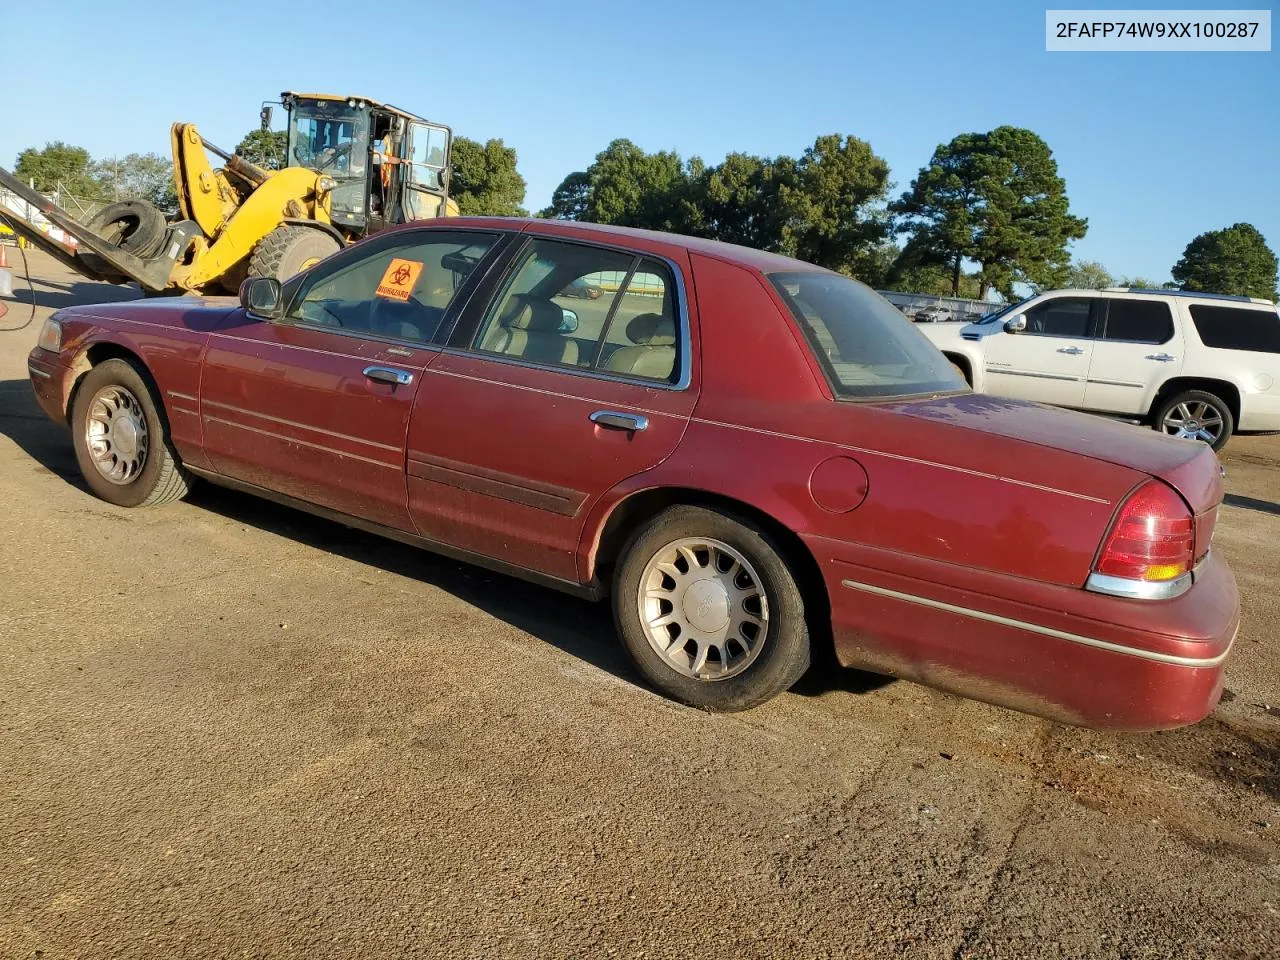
(4, 257)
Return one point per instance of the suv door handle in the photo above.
(389, 375)
(1162, 357)
(619, 421)
(1071, 350)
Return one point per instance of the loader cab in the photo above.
(387, 166)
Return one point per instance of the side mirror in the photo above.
(260, 297)
(265, 116)
(570, 322)
(1015, 324)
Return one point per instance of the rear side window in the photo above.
(1237, 328)
(864, 343)
(1139, 321)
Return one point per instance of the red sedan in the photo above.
(750, 456)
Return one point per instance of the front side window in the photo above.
(867, 347)
(1139, 321)
(401, 291)
(579, 306)
(1060, 317)
(1237, 328)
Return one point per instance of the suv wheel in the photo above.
(1196, 415)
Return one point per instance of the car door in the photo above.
(315, 404)
(1048, 361)
(1136, 351)
(547, 398)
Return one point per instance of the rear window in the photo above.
(1139, 321)
(1237, 328)
(865, 344)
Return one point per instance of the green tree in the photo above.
(830, 205)
(738, 200)
(571, 200)
(59, 165)
(138, 176)
(653, 191)
(1141, 283)
(1088, 275)
(1235, 260)
(994, 199)
(484, 180)
(266, 148)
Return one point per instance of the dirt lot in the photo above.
(231, 730)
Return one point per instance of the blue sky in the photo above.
(1155, 147)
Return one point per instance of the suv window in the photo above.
(1139, 321)
(864, 343)
(401, 290)
(1060, 317)
(578, 306)
(1237, 328)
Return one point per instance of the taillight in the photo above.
(1150, 545)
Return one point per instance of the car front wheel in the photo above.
(121, 439)
(709, 611)
(1196, 415)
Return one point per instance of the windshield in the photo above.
(867, 347)
(993, 317)
(329, 137)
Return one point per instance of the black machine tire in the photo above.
(288, 250)
(784, 655)
(161, 478)
(135, 226)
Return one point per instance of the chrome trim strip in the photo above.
(905, 459)
(426, 348)
(300, 426)
(190, 413)
(303, 443)
(182, 396)
(32, 368)
(1138, 589)
(1153, 655)
(434, 371)
(1117, 383)
(1038, 376)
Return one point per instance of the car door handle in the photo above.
(389, 375)
(620, 421)
(1162, 357)
(1071, 350)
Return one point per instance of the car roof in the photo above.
(1222, 299)
(655, 241)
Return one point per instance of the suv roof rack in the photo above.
(1190, 293)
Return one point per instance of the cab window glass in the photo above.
(401, 291)
(1060, 317)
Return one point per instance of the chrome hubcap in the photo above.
(703, 608)
(115, 432)
(1194, 420)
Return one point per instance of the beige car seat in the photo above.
(530, 328)
(654, 353)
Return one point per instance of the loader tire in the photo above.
(287, 251)
(135, 226)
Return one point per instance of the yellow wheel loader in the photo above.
(352, 166)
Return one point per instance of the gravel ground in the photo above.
(228, 729)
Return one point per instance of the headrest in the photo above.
(652, 329)
(530, 313)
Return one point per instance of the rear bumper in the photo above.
(52, 383)
(1095, 661)
(1259, 411)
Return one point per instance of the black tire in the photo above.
(161, 478)
(1194, 398)
(135, 226)
(288, 250)
(784, 655)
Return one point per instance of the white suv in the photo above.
(1193, 365)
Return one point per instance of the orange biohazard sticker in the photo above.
(399, 280)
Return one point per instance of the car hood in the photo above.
(1190, 467)
(194, 313)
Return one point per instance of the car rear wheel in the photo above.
(709, 611)
(1196, 415)
(122, 440)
